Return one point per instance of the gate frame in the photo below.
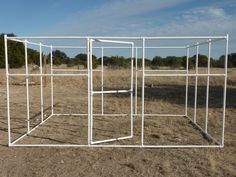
(209, 41)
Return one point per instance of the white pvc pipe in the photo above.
(203, 131)
(186, 82)
(162, 115)
(111, 140)
(89, 78)
(119, 47)
(111, 91)
(78, 114)
(118, 146)
(132, 89)
(8, 90)
(91, 88)
(115, 37)
(121, 114)
(102, 80)
(178, 75)
(55, 75)
(143, 85)
(52, 90)
(206, 42)
(76, 70)
(181, 70)
(27, 87)
(225, 88)
(111, 41)
(32, 43)
(34, 128)
(136, 80)
(196, 83)
(208, 82)
(41, 80)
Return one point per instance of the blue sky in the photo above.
(120, 18)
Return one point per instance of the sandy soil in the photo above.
(162, 95)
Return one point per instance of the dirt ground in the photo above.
(162, 95)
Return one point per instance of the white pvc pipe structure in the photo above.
(196, 84)
(207, 87)
(88, 73)
(27, 87)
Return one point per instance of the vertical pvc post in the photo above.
(136, 80)
(225, 87)
(41, 80)
(186, 83)
(91, 87)
(45, 71)
(131, 89)
(8, 94)
(89, 78)
(102, 82)
(27, 86)
(143, 84)
(208, 82)
(196, 83)
(51, 63)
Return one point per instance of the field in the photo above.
(162, 95)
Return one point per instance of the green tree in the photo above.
(59, 57)
(157, 61)
(81, 59)
(33, 56)
(16, 53)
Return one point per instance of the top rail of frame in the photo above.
(28, 42)
(206, 42)
(119, 37)
(112, 41)
(120, 47)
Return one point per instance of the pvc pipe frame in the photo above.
(145, 73)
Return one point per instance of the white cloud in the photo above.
(200, 21)
(122, 17)
(132, 17)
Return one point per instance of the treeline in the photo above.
(16, 54)
(176, 62)
(16, 58)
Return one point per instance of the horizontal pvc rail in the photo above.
(176, 75)
(118, 146)
(121, 114)
(206, 42)
(115, 37)
(111, 140)
(75, 70)
(28, 42)
(28, 75)
(120, 47)
(111, 91)
(156, 70)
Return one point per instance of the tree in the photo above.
(173, 61)
(59, 57)
(33, 56)
(157, 61)
(16, 57)
(232, 59)
(184, 62)
(81, 59)
(16, 53)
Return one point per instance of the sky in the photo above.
(120, 18)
